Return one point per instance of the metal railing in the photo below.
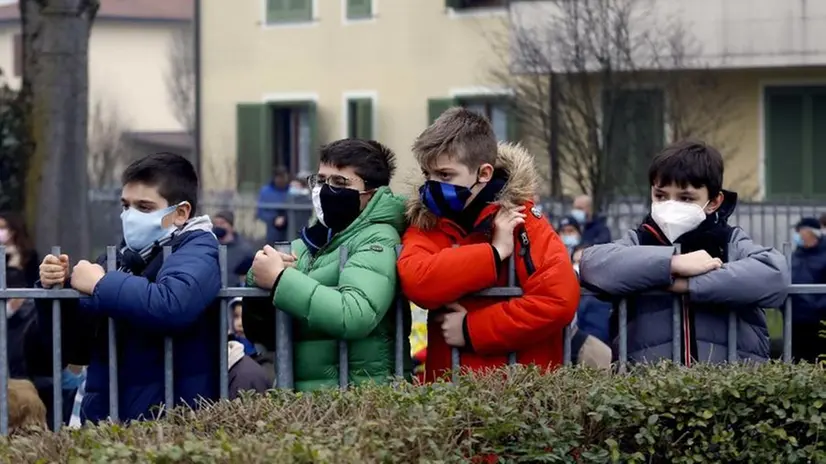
(284, 340)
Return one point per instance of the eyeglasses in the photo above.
(335, 181)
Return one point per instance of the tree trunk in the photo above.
(553, 146)
(56, 80)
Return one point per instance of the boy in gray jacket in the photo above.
(719, 267)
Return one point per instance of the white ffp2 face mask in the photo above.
(319, 213)
(676, 218)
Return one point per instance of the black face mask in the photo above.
(339, 207)
(219, 232)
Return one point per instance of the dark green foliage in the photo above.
(662, 414)
(12, 150)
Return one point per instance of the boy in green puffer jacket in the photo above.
(355, 209)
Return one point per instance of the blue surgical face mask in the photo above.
(72, 381)
(570, 240)
(797, 239)
(141, 230)
(579, 215)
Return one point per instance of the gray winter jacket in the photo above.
(754, 277)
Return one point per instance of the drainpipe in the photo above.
(196, 148)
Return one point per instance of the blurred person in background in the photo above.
(20, 252)
(594, 228)
(808, 267)
(239, 252)
(300, 195)
(823, 221)
(23, 348)
(593, 314)
(570, 233)
(271, 196)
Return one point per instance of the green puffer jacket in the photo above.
(356, 303)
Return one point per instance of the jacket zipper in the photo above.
(525, 252)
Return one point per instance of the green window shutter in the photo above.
(289, 11)
(312, 118)
(456, 4)
(784, 142)
(359, 9)
(818, 143)
(514, 134)
(364, 118)
(254, 146)
(437, 106)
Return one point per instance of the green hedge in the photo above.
(773, 413)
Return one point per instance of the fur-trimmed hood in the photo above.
(522, 185)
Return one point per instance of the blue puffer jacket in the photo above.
(173, 298)
(753, 277)
(809, 267)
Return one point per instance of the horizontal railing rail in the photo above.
(284, 362)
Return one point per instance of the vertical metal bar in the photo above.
(4, 351)
(732, 336)
(223, 374)
(623, 334)
(512, 283)
(168, 358)
(114, 404)
(455, 364)
(343, 355)
(398, 347)
(57, 359)
(283, 338)
(566, 345)
(787, 311)
(732, 324)
(676, 321)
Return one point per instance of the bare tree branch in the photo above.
(180, 78)
(627, 82)
(107, 152)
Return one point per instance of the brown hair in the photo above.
(21, 239)
(464, 135)
(26, 409)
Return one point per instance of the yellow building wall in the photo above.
(128, 64)
(412, 51)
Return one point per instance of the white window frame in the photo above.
(482, 12)
(294, 97)
(315, 19)
(374, 5)
(761, 121)
(345, 113)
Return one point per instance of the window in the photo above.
(473, 4)
(633, 126)
(273, 134)
(360, 118)
(795, 141)
(289, 11)
(359, 9)
(495, 108)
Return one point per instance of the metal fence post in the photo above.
(676, 322)
(512, 284)
(623, 334)
(57, 357)
(787, 310)
(732, 325)
(398, 346)
(168, 358)
(114, 405)
(4, 353)
(283, 338)
(343, 355)
(223, 362)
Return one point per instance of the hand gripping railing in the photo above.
(284, 336)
